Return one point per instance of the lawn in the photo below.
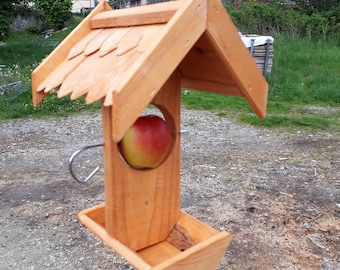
(303, 85)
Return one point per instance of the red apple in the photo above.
(146, 143)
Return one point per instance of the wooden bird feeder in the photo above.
(128, 59)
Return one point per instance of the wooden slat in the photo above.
(202, 69)
(87, 217)
(83, 72)
(57, 76)
(148, 14)
(206, 254)
(112, 42)
(131, 39)
(211, 86)
(142, 206)
(203, 256)
(228, 44)
(158, 253)
(96, 43)
(81, 45)
(61, 52)
(146, 76)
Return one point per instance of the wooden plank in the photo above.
(96, 213)
(202, 69)
(228, 44)
(61, 52)
(135, 90)
(203, 256)
(148, 14)
(86, 217)
(206, 254)
(210, 86)
(142, 206)
(158, 253)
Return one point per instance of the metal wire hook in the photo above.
(76, 153)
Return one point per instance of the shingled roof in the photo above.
(123, 57)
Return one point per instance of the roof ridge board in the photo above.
(141, 15)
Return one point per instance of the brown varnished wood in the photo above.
(142, 206)
(142, 15)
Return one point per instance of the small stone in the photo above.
(305, 225)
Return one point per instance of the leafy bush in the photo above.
(6, 16)
(57, 12)
(32, 30)
(276, 18)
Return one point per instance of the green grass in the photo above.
(18, 58)
(304, 85)
(304, 89)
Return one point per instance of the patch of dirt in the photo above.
(277, 192)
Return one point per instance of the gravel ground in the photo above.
(277, 192)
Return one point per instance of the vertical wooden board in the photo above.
(225, 38)
(168, 100)
(155, 65)
(142, 206)
(60, 53)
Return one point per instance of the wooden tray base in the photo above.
(191, 244)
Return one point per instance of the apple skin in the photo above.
(146, 143)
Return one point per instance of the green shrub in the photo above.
(6, 16)
(32, 30)
(273, 19)
(57, 12)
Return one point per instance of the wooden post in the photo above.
(142, 206)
